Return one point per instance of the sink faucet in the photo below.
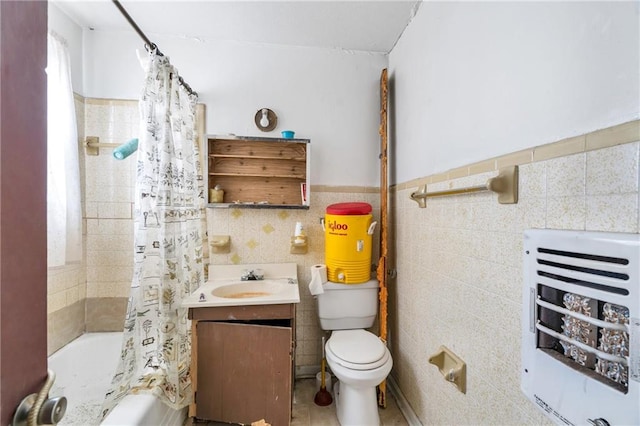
(252, 275)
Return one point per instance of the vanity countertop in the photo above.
(225, 288)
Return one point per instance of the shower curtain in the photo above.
(169, 202)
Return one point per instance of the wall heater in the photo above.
(581, 326)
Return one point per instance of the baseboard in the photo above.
(307, 371)
(403, 404)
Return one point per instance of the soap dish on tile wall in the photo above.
(299, 245)
(451, 367)
(220, 243)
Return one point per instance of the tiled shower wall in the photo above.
(109, 213)
(459, 266)
(257, 235)
(92, 296)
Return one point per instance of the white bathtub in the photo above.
(84, 368)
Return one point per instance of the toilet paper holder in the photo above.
(451, 367)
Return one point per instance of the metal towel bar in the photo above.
(505, 185)
(92, 145)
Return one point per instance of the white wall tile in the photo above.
(566, 213)
(613, 170)
(612, 213)
(566, 176)
(532, 180)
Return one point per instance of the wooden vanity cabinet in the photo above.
(242, 363)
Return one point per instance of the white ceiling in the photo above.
(373, 26)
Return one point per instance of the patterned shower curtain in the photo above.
(169, 202)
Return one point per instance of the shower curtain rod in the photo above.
(149, 45)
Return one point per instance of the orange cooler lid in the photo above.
(349, 209)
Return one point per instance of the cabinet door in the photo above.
(244, 373)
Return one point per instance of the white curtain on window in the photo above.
(64, 215)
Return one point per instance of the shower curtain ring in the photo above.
(151, 47)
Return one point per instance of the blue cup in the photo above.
(288, 134)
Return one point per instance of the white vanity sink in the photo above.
(224, 288)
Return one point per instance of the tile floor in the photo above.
(306, 413)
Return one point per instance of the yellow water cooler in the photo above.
(348, 230)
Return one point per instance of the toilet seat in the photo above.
(357, 349)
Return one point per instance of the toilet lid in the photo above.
(357, 349)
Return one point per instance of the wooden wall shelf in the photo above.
(256, 206)
(257, 172)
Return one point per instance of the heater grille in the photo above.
(580, 310)
(604, 273)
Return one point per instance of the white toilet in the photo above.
(356, 357)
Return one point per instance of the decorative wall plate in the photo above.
(271, 119)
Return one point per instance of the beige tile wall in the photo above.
(109, 213)
(66, 292)
(459, 266)
(92, 296)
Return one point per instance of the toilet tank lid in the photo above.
(356, 346)
(348, 209)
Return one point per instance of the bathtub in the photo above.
(84, 369)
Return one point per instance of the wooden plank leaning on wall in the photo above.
(381, 271)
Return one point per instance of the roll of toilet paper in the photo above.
(318, 277)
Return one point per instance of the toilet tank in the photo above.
(348, 306)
